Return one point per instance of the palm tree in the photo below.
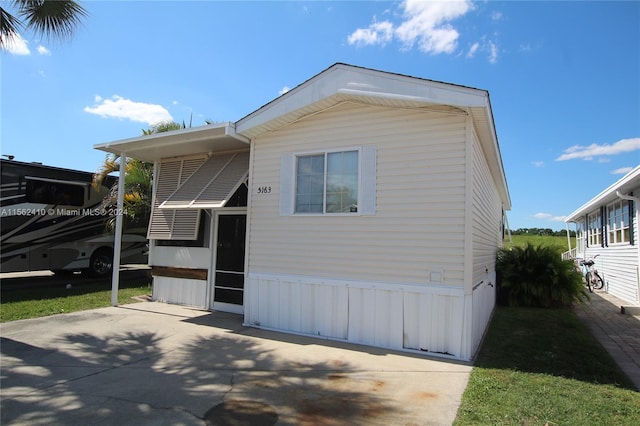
(51, 18)
(137, 196)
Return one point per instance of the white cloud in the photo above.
(525, 47)
(427, 24)
(549, 217)
(538, 163)
(493, 52)
(496, 16)
(377, 33)
(284, 90)
(595, 150)
(621, 171)
(16, 45)
(44, 51)
(118, 107)
(488, 47)
(472, 50)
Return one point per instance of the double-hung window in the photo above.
(618, 222)
(330, 182)
(327, 183)
(594, 229)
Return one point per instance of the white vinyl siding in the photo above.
(418, 226)
(169, 224)
(618, 264)
(486, 216)
(487, 219)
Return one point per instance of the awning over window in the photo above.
(212, 184)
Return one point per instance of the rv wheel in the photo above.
(101, 263)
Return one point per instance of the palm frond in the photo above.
(110, 165)
(56, 19)
(10, 26)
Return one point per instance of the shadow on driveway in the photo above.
(180, 366)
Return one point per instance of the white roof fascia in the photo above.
(212, 137)
(349, 81)
(624, 185)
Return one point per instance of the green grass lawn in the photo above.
(543, 367)
(537, 240)
(57, 299)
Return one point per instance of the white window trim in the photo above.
(612, 232)
(594, 233)
(367, 158)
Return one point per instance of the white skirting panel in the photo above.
(181, 291)
(397, 316)
(433, 323)
(484, 301)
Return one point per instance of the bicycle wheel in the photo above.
(588, 278)
(596, 281)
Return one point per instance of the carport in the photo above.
(217, 181)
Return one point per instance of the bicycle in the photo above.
(590, 274)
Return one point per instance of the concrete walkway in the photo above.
(158, 364)
(618, 333)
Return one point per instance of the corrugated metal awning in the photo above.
(212, 184)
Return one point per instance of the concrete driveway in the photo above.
(157, 364)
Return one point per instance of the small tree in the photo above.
(537, 276)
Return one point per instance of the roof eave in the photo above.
(624, 185)
(209, 138)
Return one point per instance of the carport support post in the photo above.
(117, 238)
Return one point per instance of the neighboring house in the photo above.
(361, 206)
(607, 227)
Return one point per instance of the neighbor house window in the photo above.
(580, 236)
(327, 183)
(594, 229)
(618, 222)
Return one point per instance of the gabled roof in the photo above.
(347, 83)
(338, 83)
(629, 182)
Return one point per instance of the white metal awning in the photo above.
(212, 184)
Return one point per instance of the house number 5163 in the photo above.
(264, 190)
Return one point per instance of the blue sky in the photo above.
(563, 78)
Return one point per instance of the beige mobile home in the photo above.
(361, 206)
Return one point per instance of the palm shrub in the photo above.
(536, 276)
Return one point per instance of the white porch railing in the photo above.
(569, 255)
